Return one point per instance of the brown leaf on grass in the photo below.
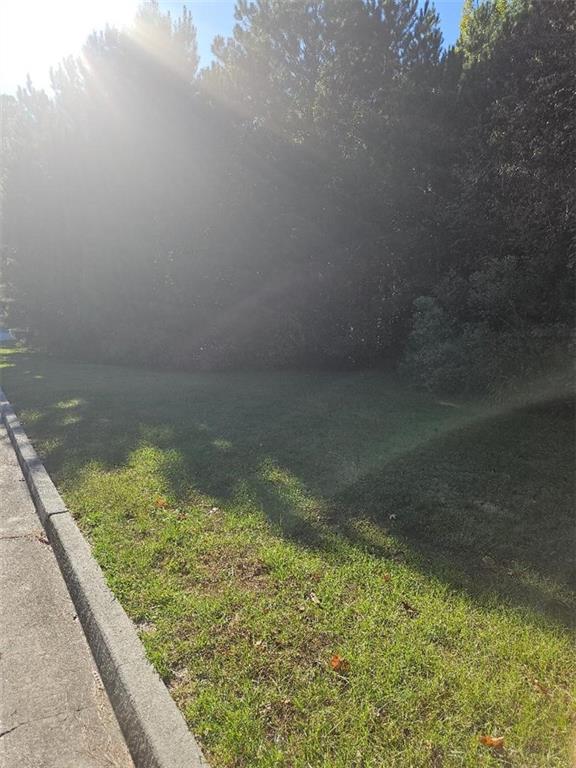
(540, 687)
(410, 610)
(339, 664)
(160, 502)
(494, 742)
(436, 755)
(145, 627)
(386, 577)
(316, 577)
(314, 597)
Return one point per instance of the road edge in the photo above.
(153, 727)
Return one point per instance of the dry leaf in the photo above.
(160, 502)
(410, 610)
(314, 597)
(540, 687)
(495, 742)
(42, 538)
(386, 577)
(340, 665)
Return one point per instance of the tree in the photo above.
(353, 85)
(288, 205)
(511, 267)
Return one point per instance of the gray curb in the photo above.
(153, 727)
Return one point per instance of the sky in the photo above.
(37, 34)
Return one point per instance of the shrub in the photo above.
(445, 355)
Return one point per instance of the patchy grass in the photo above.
(256, 525)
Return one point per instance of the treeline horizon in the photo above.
(335, 190)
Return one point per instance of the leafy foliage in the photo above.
(444, 355)
(507, 295)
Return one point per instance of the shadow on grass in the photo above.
(489, 506)
(480, 497)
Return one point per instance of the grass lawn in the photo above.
(264, 528)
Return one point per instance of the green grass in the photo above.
(253, 525)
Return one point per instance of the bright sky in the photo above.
(37, 34)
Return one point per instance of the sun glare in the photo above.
(37, 34)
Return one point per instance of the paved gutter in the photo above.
(152, 725)
(54, 712)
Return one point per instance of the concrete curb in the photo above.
(153, 727)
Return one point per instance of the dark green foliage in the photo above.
(445, 355)
(438, 354)
(289, 204)
(507, 296)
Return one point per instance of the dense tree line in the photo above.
(336, 189)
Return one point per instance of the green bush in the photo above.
(446, 355)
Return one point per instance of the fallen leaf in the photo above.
(410, 610)
(386, 577)
(494, 742)
(540, 687)
(42, 538)
(314, 597)
(340, 665)
(160, 502)
(146, 627)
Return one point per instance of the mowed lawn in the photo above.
(328, 569)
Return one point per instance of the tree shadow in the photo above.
(488, 507)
